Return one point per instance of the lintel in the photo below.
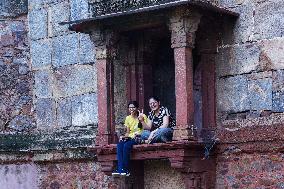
(82, 24)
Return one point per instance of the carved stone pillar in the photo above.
(183, 25)
(105, 46)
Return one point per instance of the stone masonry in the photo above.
(49, 108)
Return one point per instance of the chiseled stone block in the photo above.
(237, 59)
(84, 109)
(79, 9)
(232, 94)
(64, 112)
(45, 113)
(87, 49)
(75, 80)
(59, 13)
(269, 20)
(272, 54)
(40, 53)
(65, 50)
(260, 94)
(38, 23)
(278, 80)
(278, 101)
(43, 84)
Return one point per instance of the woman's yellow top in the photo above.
(132, 124)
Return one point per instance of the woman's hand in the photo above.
(140, 116)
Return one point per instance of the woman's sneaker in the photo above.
(116, 172)
(125, 173)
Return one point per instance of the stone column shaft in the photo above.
(183, 25)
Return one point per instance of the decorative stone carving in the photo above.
(105, 43)
(183, 25)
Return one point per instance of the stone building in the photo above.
(68, 68)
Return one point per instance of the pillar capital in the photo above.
(183, 24)
(105, 43)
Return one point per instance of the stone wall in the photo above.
(64, 67)
(16, 77)
(250, 171)
(250, 62)
(249, 96)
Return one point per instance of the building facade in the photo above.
(68, 68)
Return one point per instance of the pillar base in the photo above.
(185, 133)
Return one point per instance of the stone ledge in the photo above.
(185, 156)
(43, 156)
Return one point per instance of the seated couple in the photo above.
(157, 127)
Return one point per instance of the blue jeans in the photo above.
(161, 135)
(123, 154)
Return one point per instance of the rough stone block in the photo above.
(79, 9)
(232, 94)
(59, 13)
(40, 53)
(260, 94)
(238, 59)
(243, 29)
(84, 110)
(272, 54)
(269, 20)
(231, 3)
(43, 84)
(278, 80)
(21, 123)
(45, 113)
(65, 50)
(64, 113)
(278, 101)
(75, 80)
(87, 49)
(38, 23)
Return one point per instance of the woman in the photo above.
(160, 123)
(134, 128)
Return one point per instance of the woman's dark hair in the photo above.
(155, 98)
(133, 102)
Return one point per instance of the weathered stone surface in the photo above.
(79, 9)
(260, 95)
(75, 175)
(18, 176)
(40, 53)
(269, 20)
(272, 54)
(43, 84)
(65, 50)
(232, 94)
(64, 112)
(237, 59)
(278, 80)
(74, 80)
(84, 110)
(243, 29)
(87, 49)
(59, 13)
(278, 101)
(38, 24)
(250, 170)
(159, 174)
(45, 113)
(21, 123)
